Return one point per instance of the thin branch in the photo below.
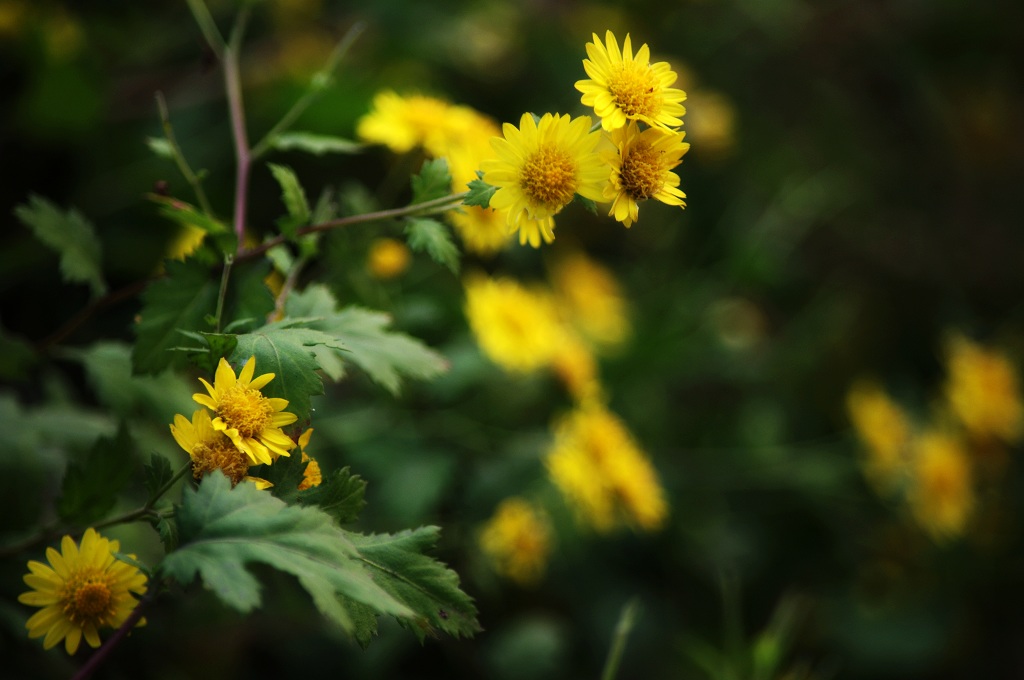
(179, 157)
(94, 662)
(222, 294)
(233, 85)
(317, 86)
(207, 26)
(622, 629)
(288, 286)
(433, 207)
(75, 322)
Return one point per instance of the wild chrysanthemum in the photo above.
(941, 492)
(642, 165)
(539, 169)
(387, 258)
(311, 476)
(243, 413)
(210, 449)
(591, 298)
(576, 367)
(84, 588)
(403, 123)
(983, 391)
(516, 327)
(884, 430)
(601, 471)
(624, 86)
(518, 540)
(484, 231)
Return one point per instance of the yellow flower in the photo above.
(711, 121)
(388, 258)
(516, 327)
(539, 169)
(518, 540)
(591, 298)
(251, 420)
(210, 449)
(642, 165)
(575, 366)
(404, 123)
(983, 391)
(941, 493)
(311, 476)
(483, 231)
(624, 86)
(603, 474)
(883, 429)
(83, 589)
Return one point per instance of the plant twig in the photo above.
(94, 662)
(179, 157)
(207, 26)
(317, 86)
(622, 629)
(243, 156)
(223, 292)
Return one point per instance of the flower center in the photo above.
(635, 91)
(87, 598)
(549, 178)
(245, 409)
(219, 455)
(641, 171)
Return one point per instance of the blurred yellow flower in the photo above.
(82, 589)
(624, 86)
(642, 165)
(603, 474)
(484, 231)
(517, 539)
(711, 123)
(211, 449)
(404, 123)
(311, 476)
(185, 242)
(388, 258)
(539, 169)
(590, 297)
(941, 492)
(884, 430)
(518, 328)
(575, 366)
(243, 413)
(983, 391)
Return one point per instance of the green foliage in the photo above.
(71, 235)
(223, 529)
(587, 203)
(340, 494)
(186, 214)
(316, 144)
(387, 356)
(210, 347)
(426, 234)
(158, 473)
(91, 484)
(294, 197)
(480, 192)
(433, 182)
(423, 584)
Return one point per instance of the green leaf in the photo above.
(387, 356)
(420, 582)
(480, 192)
(294, 198)
(71, 235)
(91, 483)
(316, 144)
(434, 181)
(208, 349)
(182, 301)
(158, 472)
(224, 529)
(160, 146)
(425, 234)
(17, 357)
(167, 528)
(285, 349)
(340, 494)
(587, 203)
(187, 214)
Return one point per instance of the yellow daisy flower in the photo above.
(539, 169)
(624, 86)
(311, 476)
(388, 258)
(642, 168)
(251, 420)
(84, 588)
(884, 430)
(404, 123)
(210, 449)
(516, 327)
(518, 540)
(591, 298)
(941, 494)
(983, 391)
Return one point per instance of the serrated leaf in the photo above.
(71, 235)
(167, 528)
(160, 146)
(294, 197)
(434, 181)
(181, 302)
(285, 350)
(387, 356)
(425, 234)
(364, 621)
(187, 214)
(157, 473)
(92, 482)
(224, 529)
(425, 585)
(315, 143)
(480, 192)
(340, 494)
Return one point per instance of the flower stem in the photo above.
(147, 509)
(243, 156)
(626, 620)
(316, 88)
(225, 275)
(207, 26)
(179, 157)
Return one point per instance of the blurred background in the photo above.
(852, 187)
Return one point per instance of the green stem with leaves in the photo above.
(179, 157)
(147, 509)
(622, 629)
(243, 155)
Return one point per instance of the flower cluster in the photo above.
(518, 540)
(934, 468)
(241, 429)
